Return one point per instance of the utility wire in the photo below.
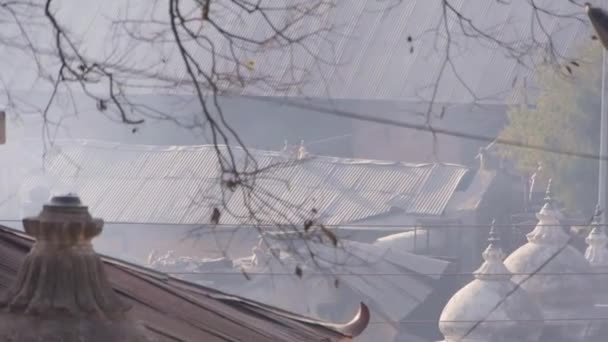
(404, 228)
(404, 274)
(368, 117)
(517, 286)
(431, 129)
(573, 319)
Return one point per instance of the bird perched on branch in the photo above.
(599, 20)
(215, 216)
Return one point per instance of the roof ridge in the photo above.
(351, 329)
(108, 145)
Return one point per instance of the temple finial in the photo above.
(493, 239)
(301, 151)
(493, 267)
(597, 213)
(61, 289)
(596, 252)
(549, 192)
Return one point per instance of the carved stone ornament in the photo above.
(61, 292)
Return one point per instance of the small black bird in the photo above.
(102, 106)
(599, 20)
(215, 216)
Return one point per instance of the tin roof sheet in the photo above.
(366, 55)
(181, 185)
(393, 282)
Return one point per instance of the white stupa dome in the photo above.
(491, 307)
(550, 270)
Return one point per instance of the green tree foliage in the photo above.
(566, 116)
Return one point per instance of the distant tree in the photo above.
(566, 116)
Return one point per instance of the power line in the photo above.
(404, 274)
(403, 227)
(572, 319)
(429, 128)
(517, 286)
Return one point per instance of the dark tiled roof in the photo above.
(178, 311)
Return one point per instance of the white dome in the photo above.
(539, 267)
(490, 308)
(597, 256)
(597, 253)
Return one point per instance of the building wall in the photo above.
(260, 124)
(266, 123)
(392, 143)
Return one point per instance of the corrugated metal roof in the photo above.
(180, 185)
(437, 194)
(368, 53)
(394, 296)
(370, 57)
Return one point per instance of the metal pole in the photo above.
(603, 167)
